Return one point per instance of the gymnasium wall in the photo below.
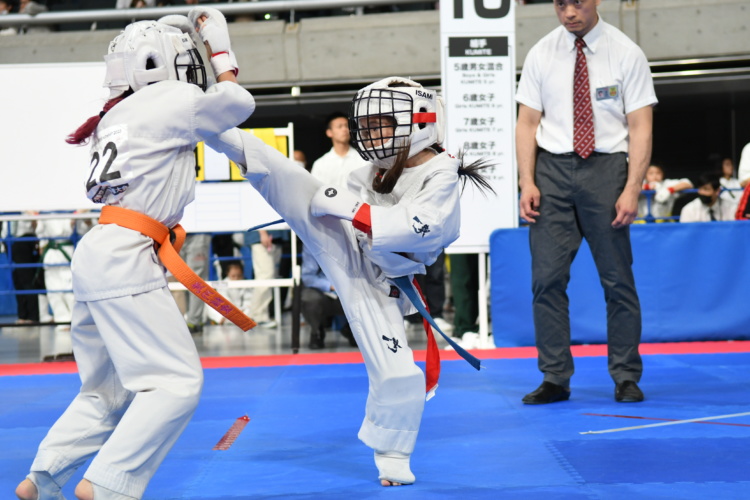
(361, 48)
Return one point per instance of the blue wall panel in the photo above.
(691, 280)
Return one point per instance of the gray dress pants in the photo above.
(578, 199)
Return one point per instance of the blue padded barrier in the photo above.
(7, 302)
(692, 281)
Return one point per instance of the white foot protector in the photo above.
(394, 467)
(102, 493)
(46, 487)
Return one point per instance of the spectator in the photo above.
(743, 172)
(320, 303)
(732, 189)
(464, 278)
(240, 297)
(709, 206)
(583, 150)
(335, 166)
(134, 4)
(26, 278)
(83, 226)
(300, 158)
(57, 253)
(266, 249)
(666, 192)
(32, 8)
(225, 249)
(195, 253)
(6, 7)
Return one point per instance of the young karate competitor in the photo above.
(139, 368)
(398, 213)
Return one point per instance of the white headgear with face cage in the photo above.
(148, 51)
(418, 114)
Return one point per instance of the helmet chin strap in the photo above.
(116, 79)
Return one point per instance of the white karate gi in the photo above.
(140, 371)
(334, 169)
(663, 209)
(240, 297)
(420, 217)
(58, 276)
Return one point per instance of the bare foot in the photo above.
(84, 490)
(26, 490)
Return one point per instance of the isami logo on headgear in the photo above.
(422, 93)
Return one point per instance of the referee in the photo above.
(583, 141)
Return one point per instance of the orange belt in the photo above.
(168, 249)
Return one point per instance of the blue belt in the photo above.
(405, 285)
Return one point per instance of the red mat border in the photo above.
(712, 347)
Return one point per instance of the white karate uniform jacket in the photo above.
(140, 371)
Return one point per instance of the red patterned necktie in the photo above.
(583, 113)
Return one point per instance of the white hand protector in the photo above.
(214, 32)
(182, 23)
(662, 195)
(335, 201)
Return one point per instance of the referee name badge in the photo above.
(611, 92)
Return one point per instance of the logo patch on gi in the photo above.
(395, 292)
(396, 345)
(331, 192)
(610, 92)
(419, 227)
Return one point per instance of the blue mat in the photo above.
(478, 441)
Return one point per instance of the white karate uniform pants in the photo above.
(59, 278)
(141, 382)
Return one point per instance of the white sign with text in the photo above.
(479, 82)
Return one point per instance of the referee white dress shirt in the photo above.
(620, 81)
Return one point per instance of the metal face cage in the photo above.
(195, 70)
(380, 121)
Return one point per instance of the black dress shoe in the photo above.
(547, 393)
(316, 345)
(317, 339)
(628, 392)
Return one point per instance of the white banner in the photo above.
(479, 83)
(43, 103)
